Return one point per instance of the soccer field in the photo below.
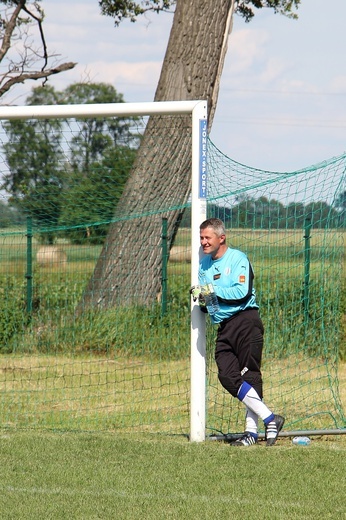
(104, 476)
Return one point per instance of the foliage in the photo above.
(34, 159)
(288, 329)
(264, 213)
(295, 324)
(96, 135)
(54, 327)
(98, 194)
(13, 315)
(340, 204)
(120, 9)
(10, 216)
(245, 8)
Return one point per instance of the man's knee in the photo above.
(255, 380)
(231, 385)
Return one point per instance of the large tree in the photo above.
(96, 135)
(50, 166)
(33, 153)
(24, 52)
(129, 268)
(102, 152)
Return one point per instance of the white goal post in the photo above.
(198, 111)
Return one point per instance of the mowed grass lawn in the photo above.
(47, 474)
(103, 476)
(78, 475)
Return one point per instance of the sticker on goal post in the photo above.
(203, 158)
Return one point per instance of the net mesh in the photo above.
(70, 366)
(292, 226)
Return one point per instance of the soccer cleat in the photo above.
(245, 440)
(273, 428)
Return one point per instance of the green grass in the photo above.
(100, 476)
(144, 395)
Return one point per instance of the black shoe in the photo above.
(245, 440)
(272, 430)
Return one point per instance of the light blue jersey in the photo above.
(232, 278)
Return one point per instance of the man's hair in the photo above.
(216, 224)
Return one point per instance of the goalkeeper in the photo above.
(239, 342)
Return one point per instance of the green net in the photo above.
(68, 207)
(292, 226)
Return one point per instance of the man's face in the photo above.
(211, 243)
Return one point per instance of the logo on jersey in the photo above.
(242, 278)
(227, 271)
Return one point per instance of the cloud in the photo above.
(246, 49)
(88, 36)
(337, 85)
(128, 78)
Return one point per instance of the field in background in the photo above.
(13, 244)
(284, 237)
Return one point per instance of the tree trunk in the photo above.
(128, 270)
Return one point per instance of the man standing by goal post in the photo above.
(226, 275)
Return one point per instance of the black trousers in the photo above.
(238, 351)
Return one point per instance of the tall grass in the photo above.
(54, 327)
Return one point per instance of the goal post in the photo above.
(198, 320)
(198, 111)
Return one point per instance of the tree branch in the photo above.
(35, 76)
(10, 27)
(40, 28)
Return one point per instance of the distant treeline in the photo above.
(263, 213)
(260, 213)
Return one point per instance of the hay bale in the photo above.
(180, 254)
(48, 256)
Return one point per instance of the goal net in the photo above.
(292, 226)
(99, 232)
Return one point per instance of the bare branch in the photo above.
(43, 40)
(35, 76)
(32, 60)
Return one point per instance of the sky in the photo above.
(282, 99)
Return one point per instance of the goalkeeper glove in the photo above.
(196, 293)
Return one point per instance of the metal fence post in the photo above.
(306, 298)
(164, 277)
(28, 275)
